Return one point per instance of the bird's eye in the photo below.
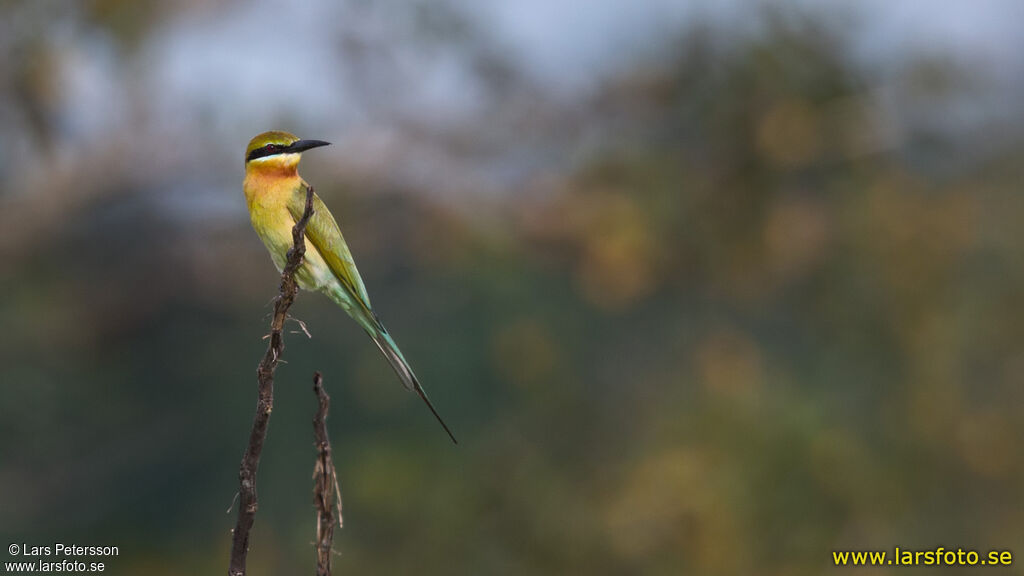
(272, 147)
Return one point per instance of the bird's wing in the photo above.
(324, 233)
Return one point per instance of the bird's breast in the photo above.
(268, 198)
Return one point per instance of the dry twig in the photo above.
(265, 403)
(326, 493)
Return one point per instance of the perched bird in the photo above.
(276, 196)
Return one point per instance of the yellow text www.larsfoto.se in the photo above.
(937, 557)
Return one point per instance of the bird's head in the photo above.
(277, 150)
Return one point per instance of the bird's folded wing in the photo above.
(324, 233)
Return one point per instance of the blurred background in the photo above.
(703, 288)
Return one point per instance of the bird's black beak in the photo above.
(303, 145)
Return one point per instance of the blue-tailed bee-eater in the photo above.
(276, 196)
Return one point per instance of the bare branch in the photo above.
(325, 483)
(265, 402)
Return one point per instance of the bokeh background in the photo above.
(703, 288)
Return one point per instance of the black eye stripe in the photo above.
(268, 150)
